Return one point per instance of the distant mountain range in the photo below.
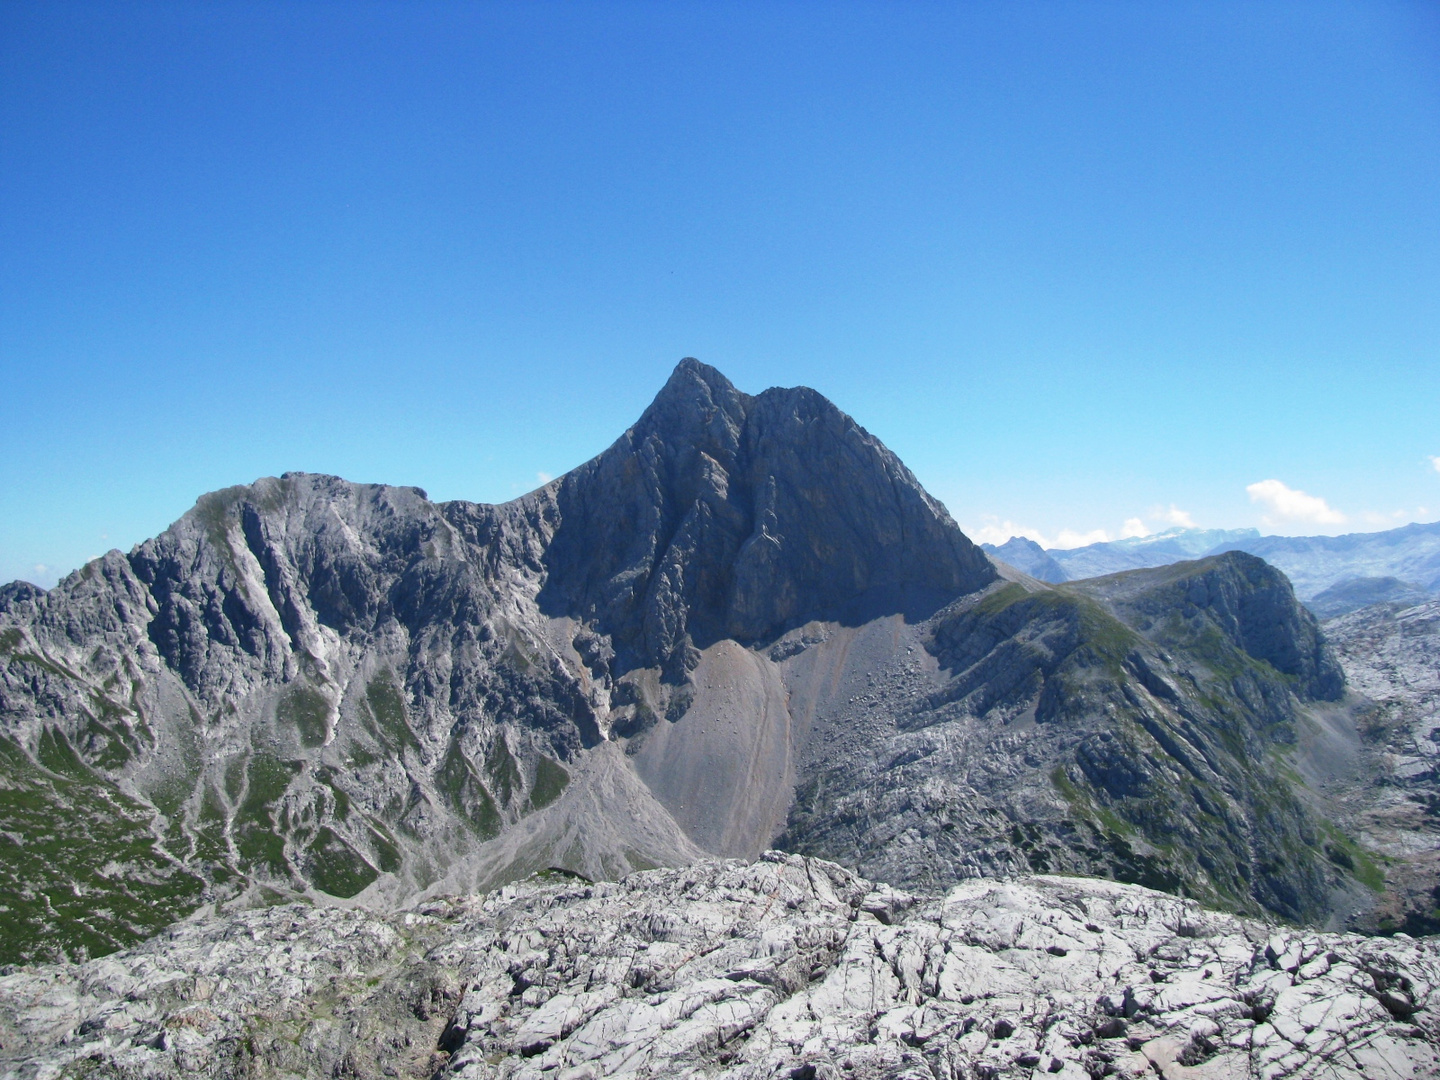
(744, 624)
(1332, 575)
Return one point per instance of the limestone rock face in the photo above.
(1244, 598)
(786, 967)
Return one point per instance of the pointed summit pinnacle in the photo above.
(692, 399)
(693, 380)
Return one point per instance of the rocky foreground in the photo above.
(785, 967)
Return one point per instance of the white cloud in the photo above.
(1436, 462)
(1069, 538)
(1286, 505)
(40, 568)
(1374, 517)
(1136, 527)
(997, 532)
(1176, 516)
(544, 478)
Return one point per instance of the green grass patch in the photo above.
(257, 828)
(1348, 855)
(57, 755)
(44, 664)
(550, 781)
(106, 747)
(503, 770)
(387, 707)
(462, 789)
(170, 794)
(333, 866)
(207, 839)
(638, 861)
(1001, 598)
(306, 709)
(387, 851)
(213, 513)
(1067, 789)
(341, 800)
(358, 756)
(80, 872)
(235, 778)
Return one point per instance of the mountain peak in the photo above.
(722, 515)
(696, 405)
(690, 370)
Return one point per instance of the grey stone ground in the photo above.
(785, 967)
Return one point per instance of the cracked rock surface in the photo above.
(785, 967)
(1391, 655)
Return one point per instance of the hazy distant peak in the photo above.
(1026, 555)
(1192, 541)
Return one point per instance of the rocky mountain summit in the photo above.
(745, 623)
(782, 968)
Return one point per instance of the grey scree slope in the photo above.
(743, 623)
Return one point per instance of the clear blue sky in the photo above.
(1076, 263)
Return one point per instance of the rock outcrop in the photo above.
(784, 968)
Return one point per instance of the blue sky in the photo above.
(1086, 267)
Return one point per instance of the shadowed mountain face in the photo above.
(743, 620)
(721, 515)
